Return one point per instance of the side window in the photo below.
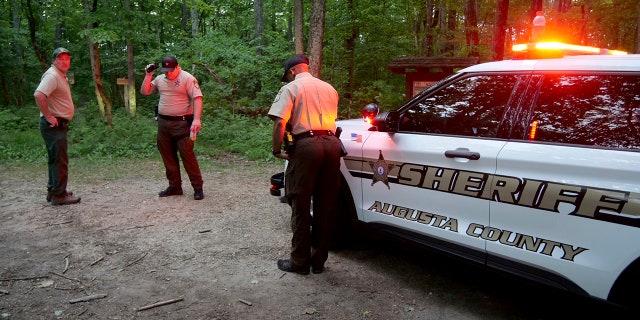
(592, 110)
(472, 106)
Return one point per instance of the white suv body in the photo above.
(527, 166)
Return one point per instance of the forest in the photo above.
(237, 48)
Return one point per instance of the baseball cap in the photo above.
(59, 51)
(293, 61)
(169, 63)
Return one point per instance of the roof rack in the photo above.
(542, 50)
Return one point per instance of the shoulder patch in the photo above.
(278, 96)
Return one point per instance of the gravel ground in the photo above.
(125, 253)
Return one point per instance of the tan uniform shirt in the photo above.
(176, 96)
(308, 103)
(55, 86)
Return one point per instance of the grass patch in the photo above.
(92, 139)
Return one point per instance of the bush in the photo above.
(92, 138)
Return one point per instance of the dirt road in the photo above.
(124, 253)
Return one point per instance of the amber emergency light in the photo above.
(541, 50)
(532, 131)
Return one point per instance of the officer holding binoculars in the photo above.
(179, 111)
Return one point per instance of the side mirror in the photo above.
(369, 112)
(386, 122)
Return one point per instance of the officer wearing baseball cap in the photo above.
(169, 63)
(292, 62)
(53, 97)
(310, 106)
(59, 51)
(179, 113)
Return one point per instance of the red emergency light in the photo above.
(540, 50)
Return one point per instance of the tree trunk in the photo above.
(417, 23)
(15, 79)
(131, 80)
(471, 27)
(638, 28)
(316, 37)
(449, 34)
(583, 37)
(103, 100)
(351, 50)
(258, 16)
(94, 56)
(298, 26)
(130, 99)
(194, 19)
(428, 28)
(502, 10)
(185, 14)
(442, 27)
(33, 29)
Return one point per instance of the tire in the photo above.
(625, 290)
(344, 233)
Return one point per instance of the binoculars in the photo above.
(153, 67)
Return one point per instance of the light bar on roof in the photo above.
(566, 46)
(559, 46)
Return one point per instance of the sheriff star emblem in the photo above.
(381, 170)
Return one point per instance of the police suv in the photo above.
(530, 166)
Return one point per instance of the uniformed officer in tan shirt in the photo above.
(53, 97)
(179, 112)
(310, 106)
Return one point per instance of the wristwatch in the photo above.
(276, 152)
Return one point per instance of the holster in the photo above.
(288, 142)
(288, 138)
(343, 151)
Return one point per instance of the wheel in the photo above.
(345, 228)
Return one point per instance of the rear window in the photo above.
(592, 110)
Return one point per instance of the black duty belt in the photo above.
(176, 118)
(312, 133)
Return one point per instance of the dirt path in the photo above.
(215, 258)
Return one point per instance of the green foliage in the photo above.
(380, 92)
(18, 118)
(239, 71)
(236, 133)
(21, 139)
(129, 138)
(612, 30)
(233, 75)
(91, 138)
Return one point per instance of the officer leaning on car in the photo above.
(310, 106)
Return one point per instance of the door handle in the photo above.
(462, 153)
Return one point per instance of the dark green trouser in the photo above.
(55, 140)
(313, 172)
